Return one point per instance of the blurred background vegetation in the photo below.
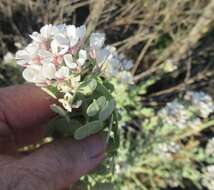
(172, 45)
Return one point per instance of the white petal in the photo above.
(82, 57)
(58, 29)
(83, 54)
(49, 71)
(71, 31)
(22, 57)
(64, 51)
(21, 62)
(46, 31)
(81, 31)
(33, 74)
(54, 47)
(69, 61)
(103, 55)
(62, 73)
(61, 40)
(97, 40)
(45, 54)
(32, 49)
(73, 41)
(72, 35)
(36, 37)
(81, 61)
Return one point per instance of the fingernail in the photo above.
(95, 146)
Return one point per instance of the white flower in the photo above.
(97, 40)
(49, 70)
(28, 56)
(202, 101)
(71, 85)
(112, 49)
(210, 147)
(125, 77)
(72, 34)
(60, 28)
(70, 37)
(208, 177)
(33, 73)
(175, 113)
(57, 49)
(67, 101)
(69, 61)
(62, 40)
(127, 64)
(62, 73)
(103, 55)
(53, 56)
(81, 31)
(45, 34)
(82, 57)
(112, 67)
(166, 150)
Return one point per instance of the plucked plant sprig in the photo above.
(77, 72)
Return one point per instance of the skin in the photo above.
(24, 109)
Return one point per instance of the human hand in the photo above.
(23, 111)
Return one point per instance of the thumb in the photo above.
(58, 165)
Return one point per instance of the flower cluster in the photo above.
(176, 114)
(208, 177)
(77, 71)
(59, 51)
(166, 150)
(60, 56)
(210, 147)
(189, 112)
(202, 102)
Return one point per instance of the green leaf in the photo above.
(101, 89)
(59, 126)
(59, 110)
(88, 87)
(109, 85)
(93, 109)
(88, 129)
(107, 110)
(101, 101)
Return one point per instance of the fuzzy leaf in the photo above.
(107, 110)
(88, 87)
(93, 109)
(59, 110)
(101, 101)
(59, 127)
(88, 129)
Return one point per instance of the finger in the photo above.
(58, 165)
(23, 109)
